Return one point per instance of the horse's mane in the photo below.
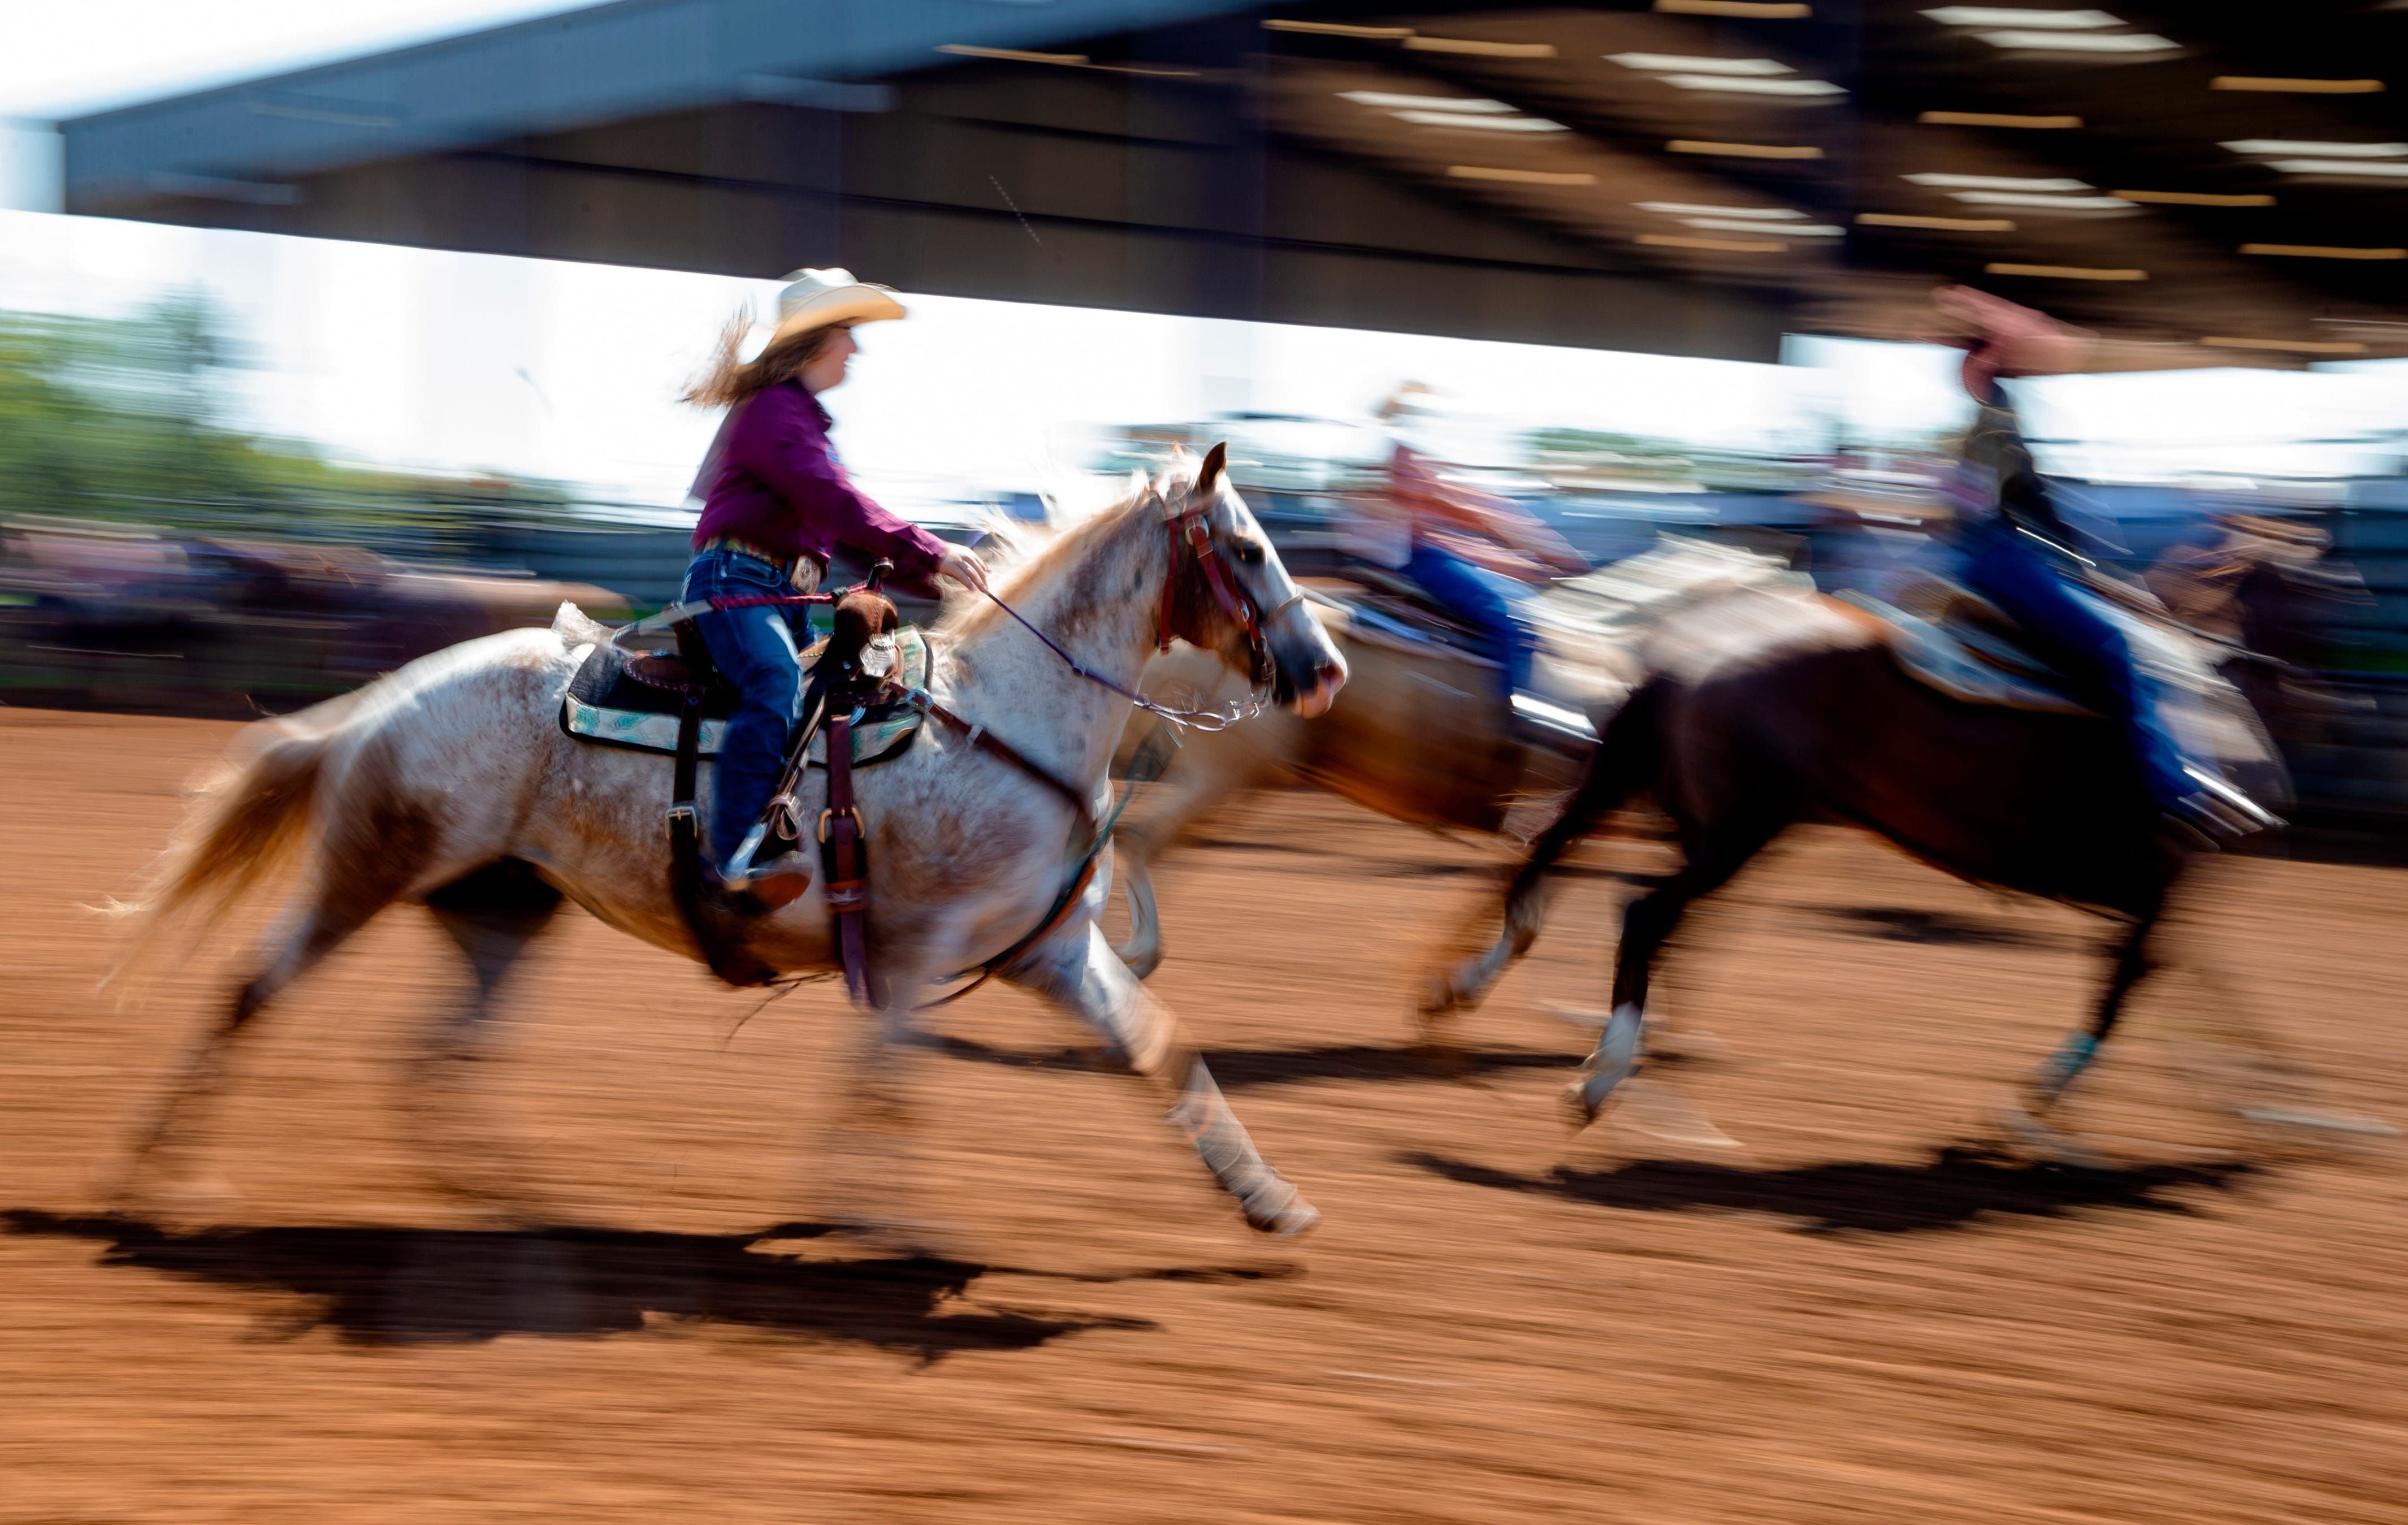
(1024, 557)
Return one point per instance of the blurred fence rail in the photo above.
(193, 615)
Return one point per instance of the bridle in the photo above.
(1191, 534)
(1191, 529)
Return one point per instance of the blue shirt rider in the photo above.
(2019, 557)
(776, 503)
(1477, 555)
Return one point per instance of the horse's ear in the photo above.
(1216, 460)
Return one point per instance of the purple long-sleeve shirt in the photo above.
(773, 479)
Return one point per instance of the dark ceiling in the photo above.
(1694, 176)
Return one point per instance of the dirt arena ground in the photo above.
(1858, 1314)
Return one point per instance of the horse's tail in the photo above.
(1629, 755)
(246, 824)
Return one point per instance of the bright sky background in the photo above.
(466, 362)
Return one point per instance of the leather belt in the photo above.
(802, 571)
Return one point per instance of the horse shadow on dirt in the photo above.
(1898, 923)
(1243, 1069)
(376, 1285)
(1390, 868)
(1957, 1187)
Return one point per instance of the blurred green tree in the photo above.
(127, 419)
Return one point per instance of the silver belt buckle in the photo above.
(805, 575)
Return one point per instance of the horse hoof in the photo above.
(1580, 1109)
(2040, 1143)
(1438, 998)
(1279, 1210)
(1657, 1109)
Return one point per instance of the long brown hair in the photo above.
(730, 379)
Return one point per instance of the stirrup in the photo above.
(737, 872)
(1548, 716)
(2233, 812)
(755, 889)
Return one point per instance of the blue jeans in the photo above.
(755, 649)
(1484, 597)
(2003, 566)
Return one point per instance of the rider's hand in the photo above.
(963, 566)
(2017, 340)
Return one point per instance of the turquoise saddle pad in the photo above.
(606, 703)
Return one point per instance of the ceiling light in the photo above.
(1992, 119)
(2025, 198)
(2322, 251)
(1339, 29)
(1425, 103)
(1753, 87)
(1745, 150)
(1699, 66)
(2032, 41)
(1732, 246)
(2337, 167)
(1693, 208)
(2194, 199)
(1994, 182)
(2296, 87)
(2065, 272)
(1521, 177)
(2055, 21)
(1787, 230)
(1753, 10)
(1485, 49)
(1492, 125)
(2322, 150)
(2306, 345)
(1943, 224)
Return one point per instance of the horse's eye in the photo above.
(1250, 552)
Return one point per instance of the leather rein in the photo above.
(1190, 531)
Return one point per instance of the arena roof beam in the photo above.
(1194, 156)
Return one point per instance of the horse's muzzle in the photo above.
(1308, 670)
(1315, 697)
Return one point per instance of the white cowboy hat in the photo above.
(816, 298)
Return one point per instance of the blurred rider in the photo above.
(776, 503)
(2019, 555)
(1476, 555)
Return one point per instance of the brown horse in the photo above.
(1423, 735)
(1768, 707)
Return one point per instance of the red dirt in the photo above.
(1497, 1322)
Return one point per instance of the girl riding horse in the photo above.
(776, 503)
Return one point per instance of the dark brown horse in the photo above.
(1763, 709)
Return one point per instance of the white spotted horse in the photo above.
(453, 784)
